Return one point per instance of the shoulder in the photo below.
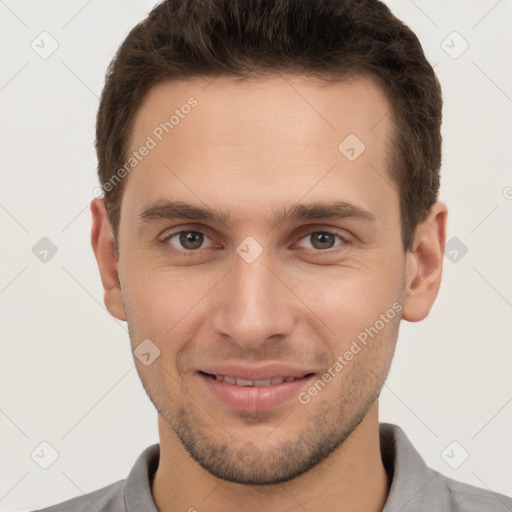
(106, 499)
(468, 498)
(415, 487)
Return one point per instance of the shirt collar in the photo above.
(137, 489)
(414, 486)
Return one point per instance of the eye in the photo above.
(192, 240)
(188, 240)
(322, 240)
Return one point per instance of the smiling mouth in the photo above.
(254, 383)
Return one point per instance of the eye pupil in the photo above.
(191, 239)
(325, 240)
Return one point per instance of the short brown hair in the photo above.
(182, 39)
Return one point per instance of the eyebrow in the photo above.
(169, 210)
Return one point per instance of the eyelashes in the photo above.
(190, 241)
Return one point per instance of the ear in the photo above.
(102, 243)
(424, 264)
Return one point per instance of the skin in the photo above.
(251, 148)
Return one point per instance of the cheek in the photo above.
(349, 299)
(163, 304)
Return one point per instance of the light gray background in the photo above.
(66, 370)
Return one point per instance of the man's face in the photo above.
(213, 305)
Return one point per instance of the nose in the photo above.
(254, 304)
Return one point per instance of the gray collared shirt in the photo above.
(414, 486)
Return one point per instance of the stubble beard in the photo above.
(324, 431)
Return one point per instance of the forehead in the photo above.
(313, 110)
(228, 140)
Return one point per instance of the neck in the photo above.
(353, 476)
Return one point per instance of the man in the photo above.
(270, 174)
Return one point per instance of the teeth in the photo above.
(249, 383)
(243, 382)
(262, 382)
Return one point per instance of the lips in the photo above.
(255, 373)
(254, 389)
